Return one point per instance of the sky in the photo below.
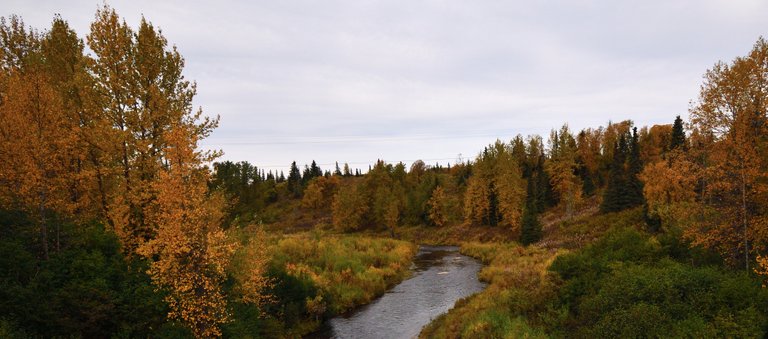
(400, 80)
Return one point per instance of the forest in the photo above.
(115, 222)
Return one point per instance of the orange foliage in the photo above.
(562, 167)
(667, 183)
(730, 115)
(190, 248)
(654, 142)
(436, 207)
(319, 193)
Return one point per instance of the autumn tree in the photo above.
(349, 207)
(142, 94)
(112, 137)
(35, 143)
(731, 112)
(190, 251)
(669, 187)
(562, 168)
(436, 206)
(588, 155)
(319, 193)
(495, 192)
(654, 142)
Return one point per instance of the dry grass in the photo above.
(518, 284)
(350, 270)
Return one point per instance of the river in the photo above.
(441, 276)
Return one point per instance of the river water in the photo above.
(441, 276)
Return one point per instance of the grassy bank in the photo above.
(614, 280)
(317, 276)
(518, 285)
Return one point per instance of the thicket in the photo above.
(630, 283)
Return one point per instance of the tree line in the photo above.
(704, 179)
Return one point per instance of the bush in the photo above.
(87, 288)
(627, 285)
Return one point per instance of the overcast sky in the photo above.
(356, 81)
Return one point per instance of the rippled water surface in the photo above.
(441, 277)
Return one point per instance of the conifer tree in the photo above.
(634, 168)
(678, 135)
(294, 180)
(613, 198)
(337, 171)
(315, 170)
(530, 227)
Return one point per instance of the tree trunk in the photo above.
(43, 225)
(744, 216)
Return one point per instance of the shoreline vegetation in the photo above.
(115, 223)
(316, 276)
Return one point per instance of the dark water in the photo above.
(441, 277)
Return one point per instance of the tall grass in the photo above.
(317, 276)
(349, 270)
(518, 286)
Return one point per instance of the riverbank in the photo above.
(317, 276)
(517, 283)
(441, 276)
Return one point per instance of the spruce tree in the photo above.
(530, 228)
(338, 170)
(635, 166)
(678, 135)
(294, 180)
(587, 184)
(315, 170)
(494, 215)
(306, 175)
(613, 198)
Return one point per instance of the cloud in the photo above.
(400, 80)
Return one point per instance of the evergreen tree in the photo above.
(315, 170)
(624, 189)
(530, 228)
(294, 180)
(306, 176)
(493, 216)
(678, 135)
(587, 184)
(634, 167)
(615, 190)
(338, 170)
